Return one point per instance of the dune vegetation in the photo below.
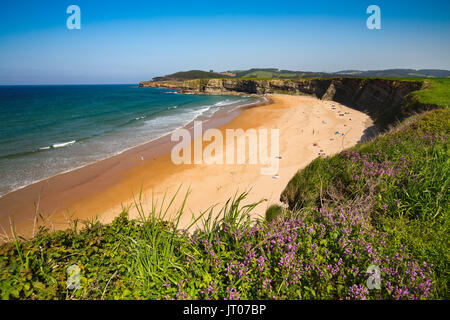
(382, 203)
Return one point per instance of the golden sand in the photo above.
(307, 127)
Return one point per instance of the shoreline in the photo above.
(188, 125)
(102, 189)
(16, 205)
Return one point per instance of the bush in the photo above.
(273, 212)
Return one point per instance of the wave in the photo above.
(41, 149)
(225, 103)
(202, 111)
(148, 127)
(168, 122)
(63, 144)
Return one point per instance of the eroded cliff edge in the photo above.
(385, 100)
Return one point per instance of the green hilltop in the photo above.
(274, 73)
(192, 74)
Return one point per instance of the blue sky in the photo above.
(130, 41)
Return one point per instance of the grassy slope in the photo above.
(382, 203)
(437, 92)
(399, 181)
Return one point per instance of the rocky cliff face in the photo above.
(161, 84)
(382, 99)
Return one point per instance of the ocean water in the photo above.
(47, 130)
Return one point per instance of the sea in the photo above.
(47, 130)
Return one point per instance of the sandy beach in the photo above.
(308, 127)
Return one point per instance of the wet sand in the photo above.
(307, 128)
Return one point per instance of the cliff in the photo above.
(385, 100)
(161, 84)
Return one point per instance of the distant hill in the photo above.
(283, 74)
(273, 73)
(192, 74)
(270, 73)
(398, 73)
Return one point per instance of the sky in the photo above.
(131, 41)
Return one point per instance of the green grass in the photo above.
(230, 256)
(127, 259)
(270, 75)
(409, 198)
(260, 74)
(384, 202)
(273, 212)
(436, 92)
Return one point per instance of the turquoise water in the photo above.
(46, 130)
